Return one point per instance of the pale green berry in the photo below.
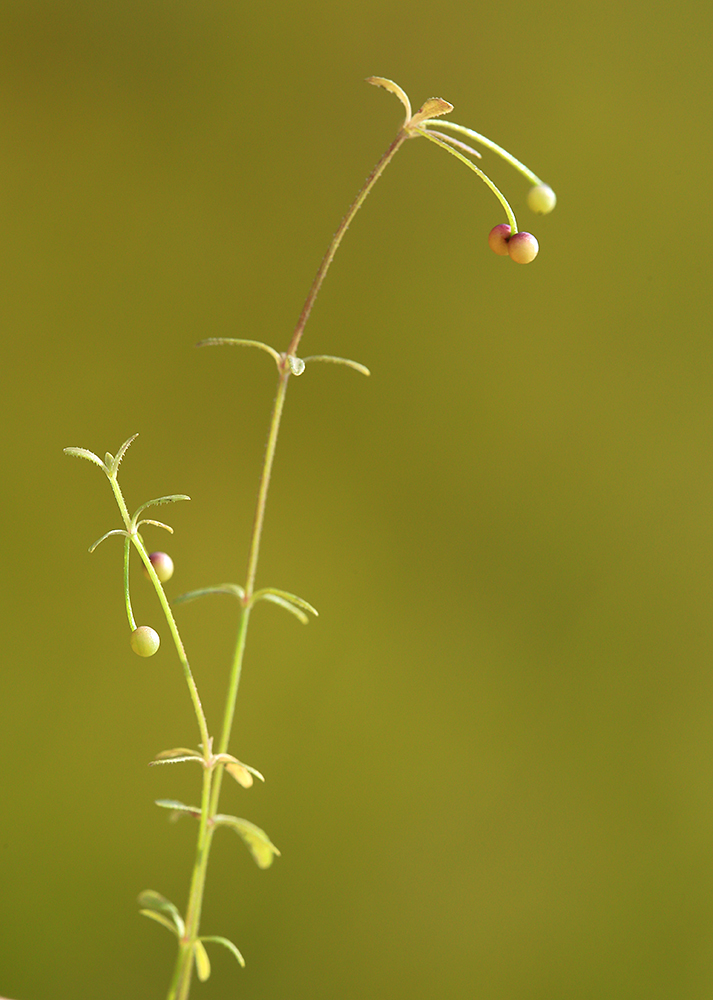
(163, 564)
(541, 199)
(145, 640)
(498, 239)
(523, 248)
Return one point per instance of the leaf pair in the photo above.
(162, 910)
(255, 839)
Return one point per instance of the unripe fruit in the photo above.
(145, 641)
(163, 564)
(541, 199)
(523, 248)
(498, 239)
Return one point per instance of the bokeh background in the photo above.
(490, 761)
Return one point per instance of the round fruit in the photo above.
(145, 641)
(498, 239)
(163, 564)
(541, 199)
(523, 248)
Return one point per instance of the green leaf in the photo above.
(178, 806)
(177, 760)
(227, 944)
(120, 454)
(202, 961)
(274, 599)
(340, 361)
(242, 773)
(156, 524)
(224, 588)
(114, 531)
(159, 500)
(161, 919)
(291, 598)
(156, 903)
(234, 342)
(176, 755)
(393, 88)
(89, 455)
(297, 365)
(257, 841)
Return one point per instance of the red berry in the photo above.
(145, 641)
(498, 239)
(523, 248)
(163, 564)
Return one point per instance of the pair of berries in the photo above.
(522, 247)
(144, 639)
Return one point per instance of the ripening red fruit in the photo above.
(145, 641)
(523, 248)
(498, 239)
(163, 564)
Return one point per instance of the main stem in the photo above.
(181, 980)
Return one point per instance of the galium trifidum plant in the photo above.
(212, 747)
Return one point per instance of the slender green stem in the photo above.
(177, 641)
(483, 176)
(525, 171)
(165, 606)
(337, 238)
(183, 971)
(127, 592)
(184, 965)
(265, 482)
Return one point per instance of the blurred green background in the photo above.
(490, 761)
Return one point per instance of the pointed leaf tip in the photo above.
(226, 944)
(393, 88)
(202, 961)
(89, 455)
(256, 840)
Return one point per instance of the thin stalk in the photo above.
(483, 176)
(183, 971)
(508, 157)
(177, 641)
(184, 966)
(337, 238)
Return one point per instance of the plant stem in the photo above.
(181, 981)
(337, 238)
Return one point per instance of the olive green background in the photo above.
(490, 761)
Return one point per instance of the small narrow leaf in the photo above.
(121, 452)
(156, 524)
(175, 752)
(159, 500)
(202, 961)
(340, 361)
(177, 760)
(274, 599)
(156, 903)
(178, 806)
(257, 841)
(242, 773)
(176, 756)
(114, 531)
(292, 598)
(236, 342)
(393, 88)
(89, 455)
(224, 588)
(227, 944)
(161, 919)
(433, 107)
